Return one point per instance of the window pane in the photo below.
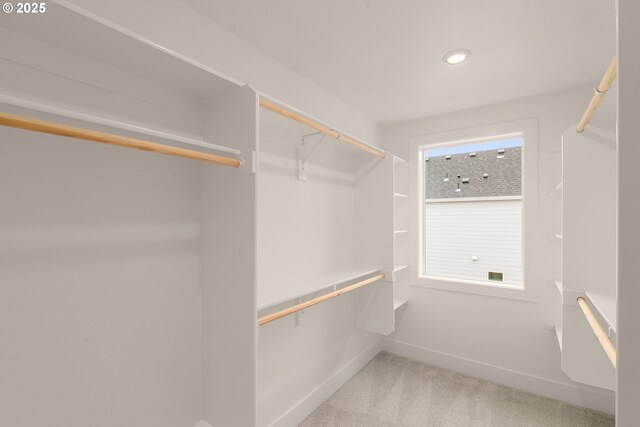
(473, 212)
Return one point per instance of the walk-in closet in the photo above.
(249, 214)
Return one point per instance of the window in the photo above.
(473, 211)
(476, 190)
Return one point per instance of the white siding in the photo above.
(457, 231)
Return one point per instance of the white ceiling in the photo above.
(383, 57)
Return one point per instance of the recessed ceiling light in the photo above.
(456, 56)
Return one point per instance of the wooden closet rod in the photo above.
(608, 348)
(314, 301)
(320, 128)
(106, 138)
(111, 123)
(603, 87)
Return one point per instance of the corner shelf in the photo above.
(400, 233)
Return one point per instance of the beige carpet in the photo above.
(394, 391)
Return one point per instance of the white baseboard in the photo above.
(573, 393)
(296, 414)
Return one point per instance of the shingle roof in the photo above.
(504, 175)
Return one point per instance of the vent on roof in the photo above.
(485, 175)
(447, 157)
(465, 180)
(472, 154)
(501, 153)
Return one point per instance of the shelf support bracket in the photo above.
(304, 154)
(300, 313)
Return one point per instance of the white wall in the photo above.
(305, 228)
(100, 319)
(177, 27)
(490, 230)
(628, 410)
(301, 231)
(504, 340)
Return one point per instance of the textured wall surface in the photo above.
(505, 175)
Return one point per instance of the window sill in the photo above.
(496, 290)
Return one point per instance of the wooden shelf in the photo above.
(606, 305)
(399, 303)
(278, 293)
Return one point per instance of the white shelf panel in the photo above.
(401, 195)
(401, 231)
(558, 283)
(400, 268)
(399, 303)
(141, 57)
(559, 336)
(104, 121)
(278, 293)
(606, 306)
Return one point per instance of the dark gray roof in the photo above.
(504, 175)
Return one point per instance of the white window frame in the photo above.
(528, 131)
